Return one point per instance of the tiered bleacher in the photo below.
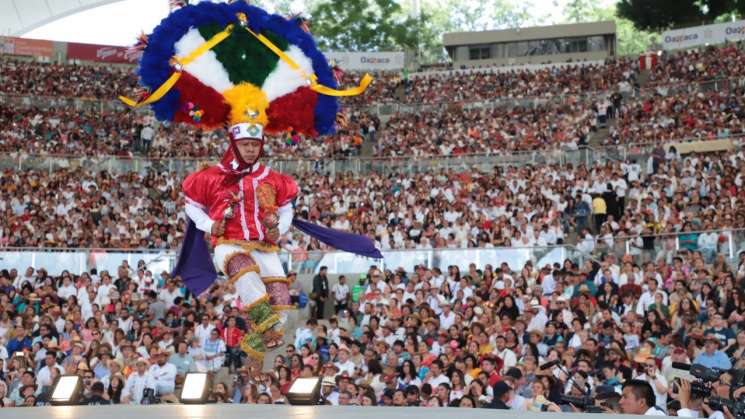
(650, 271)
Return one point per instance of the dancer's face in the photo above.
(249, 148)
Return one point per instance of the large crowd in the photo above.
(487, 337)
(486, 85)
(457, 131)
(563, 105)
(649, 282)
(600, 206)
(690, 115)
(597, 208)
(68, 131)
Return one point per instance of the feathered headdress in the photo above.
(218, 64)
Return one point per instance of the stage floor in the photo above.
(236, 411)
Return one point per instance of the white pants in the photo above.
(249, 285)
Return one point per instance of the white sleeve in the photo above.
(285, 218)
(688, 413)
(200, 218)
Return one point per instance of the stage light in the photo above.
(67, 391)
(305, 392)
(195, 388)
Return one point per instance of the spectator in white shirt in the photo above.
(447, 317)
(638, 399)
(341, 294)
(654, 377)
(204, 329)
(214, 351)
(44, 376)
(647, 298)
(137, 383)
(102, 295)
(164, 373)
(169, 294)
(67, 289)
(435, 377)
(344, 364)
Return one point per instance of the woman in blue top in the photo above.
(687, 239)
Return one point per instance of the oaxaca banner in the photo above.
(702, 35)
(22, 46)
(100, 53)
(367, 61)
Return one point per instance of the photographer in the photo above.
(690, 402)
(723, 391)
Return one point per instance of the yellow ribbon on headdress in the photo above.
(314, 85)
(219, 37)
(182, 62)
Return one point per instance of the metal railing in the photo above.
(727, 243)
(383, 165)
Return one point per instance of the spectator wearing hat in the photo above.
(138, 383)
(343, 363)
(329, 392)
(163, 373)
(712, 357)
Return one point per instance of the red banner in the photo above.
(23, 46)
(100, 53)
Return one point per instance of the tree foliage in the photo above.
(364, 25)
(660, 15)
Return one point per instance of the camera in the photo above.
(580, 402)
(149, 397)
(702, 387)
(736, 407)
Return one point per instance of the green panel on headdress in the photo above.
(243, 56)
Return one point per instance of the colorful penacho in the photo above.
(236, 66)
(215, 64)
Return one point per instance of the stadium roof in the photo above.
(18, 17)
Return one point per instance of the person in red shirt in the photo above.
(232, 336)
(490, 366)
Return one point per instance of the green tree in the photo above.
(364, 25)
(631, 41)
(576, 11)
(482, 15)
(280, 7)
(660, 15)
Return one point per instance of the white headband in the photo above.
(247, 130)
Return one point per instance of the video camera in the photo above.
(585, 403)
(702, 387)
(736, 407)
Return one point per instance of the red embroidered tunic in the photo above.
(254, 196)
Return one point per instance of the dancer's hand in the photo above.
(218, 228)
(272, 235)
